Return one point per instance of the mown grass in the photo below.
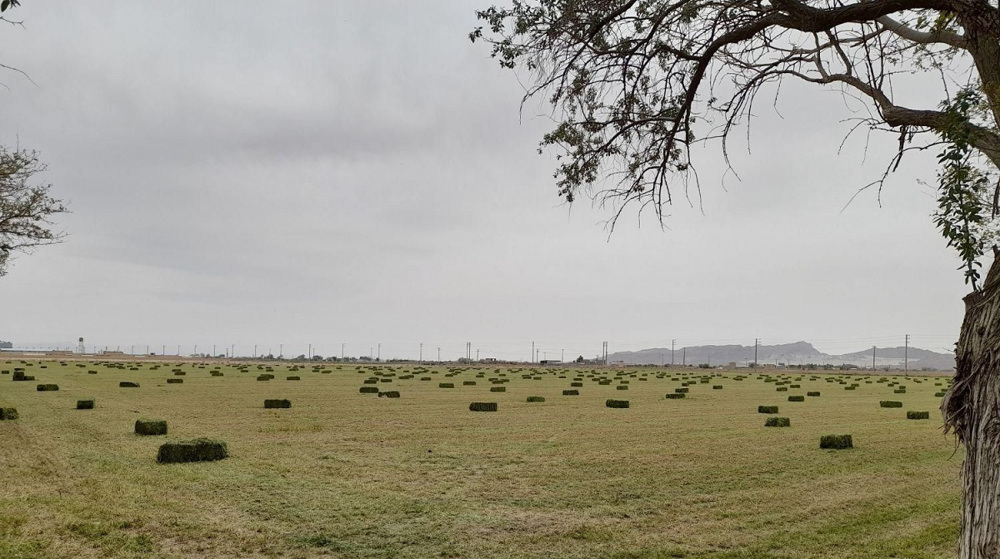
(344, 474)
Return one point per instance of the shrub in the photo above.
(369, 390)
(836, 441)
(532, 399)
(675, 396)
(85, 404)
(48, 387)
(796, 398)
(275, 403)
(175, 380)
(8, 413)
(778, 422)
(483, 406)
(767, 409)
(890, 404)
(150, 427)
(918, 415)
(127, 384)
(616, 403)
(573, 392)
(197, 450)
(815, 394)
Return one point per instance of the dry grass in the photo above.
(344, 474)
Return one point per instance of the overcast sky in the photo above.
(360, 173)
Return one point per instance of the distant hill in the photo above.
(797, 353)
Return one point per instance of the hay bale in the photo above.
(389, 394)
(446, 385)
(369, 390)
(813, 394)
(197, 450)
(716, 387)
(573, 392)
(483, 406)
(939, 394)
(150, 427)
(498, 389)
(899, 391)
(128, 384)
(468, 383)
(293, 377)
(836, 441)
(675, 396)
(796, 398)
(918, 415)
(767, 409)
(216, 373)
(91, 372)
(179, 373)
(890, 404)
(681, 390)
(275, 403)
(778, 422)
(533, 399)
(264, 377)
(8, 413)
(781, 389)
(175, 381)
(47, 387)
(621, 387)
(618, 404)
(85, 404)
(579, 384)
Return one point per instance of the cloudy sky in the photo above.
(359, 173)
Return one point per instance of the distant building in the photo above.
(6, 345)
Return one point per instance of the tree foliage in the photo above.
(26, 207)
(635, 83)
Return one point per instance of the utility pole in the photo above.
(532, 358)
(605, 354)
(232, 351)
(281, 351)
(342, 350)
(672, 352)
(196, 349)
(439, 355)
(163, 350)
(421, 352)
(468, 351)
(255, 351)
(562, 357)
(178, 350)
(873, 358)
(906, 354)
(213, 350)
(684, 356)
(309, 352)
(477, 354)
(756, 342)
(380, 351)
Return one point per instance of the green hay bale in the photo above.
(446, 385)
(468, 383)
(767, 409)
(675, 396)
(573, 392)
(263, 378)
(369, 390)
(128, 384)
(370, 381)
(796, 398)
(681, 390)
(389, 394)
(216, 373)
(533, 399)
(852, 387)
(179, 373)
(483, 406)
(150, 427)
(778, 422)
(899, 391)
(813, 394)
(175, 380)
(293, 378)
(579, 384)
(277, 404)
(794, 386)
(918, 415)
(8, 413)
(836, 441)
(47, 387)
(939, 394)
(498, 389)
(425, 378)
(197, 450)
(890, 404)
(781, 389)
(618, 404)
(85, 404)
(91, 372)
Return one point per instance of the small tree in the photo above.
(25, 207)
(635, 83)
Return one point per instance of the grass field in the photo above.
(345, 474)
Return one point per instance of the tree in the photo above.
(635, 83)
(25, 207)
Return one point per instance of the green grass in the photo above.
(344, 474)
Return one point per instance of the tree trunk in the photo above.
(971, 408)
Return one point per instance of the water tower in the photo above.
(79, 348)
